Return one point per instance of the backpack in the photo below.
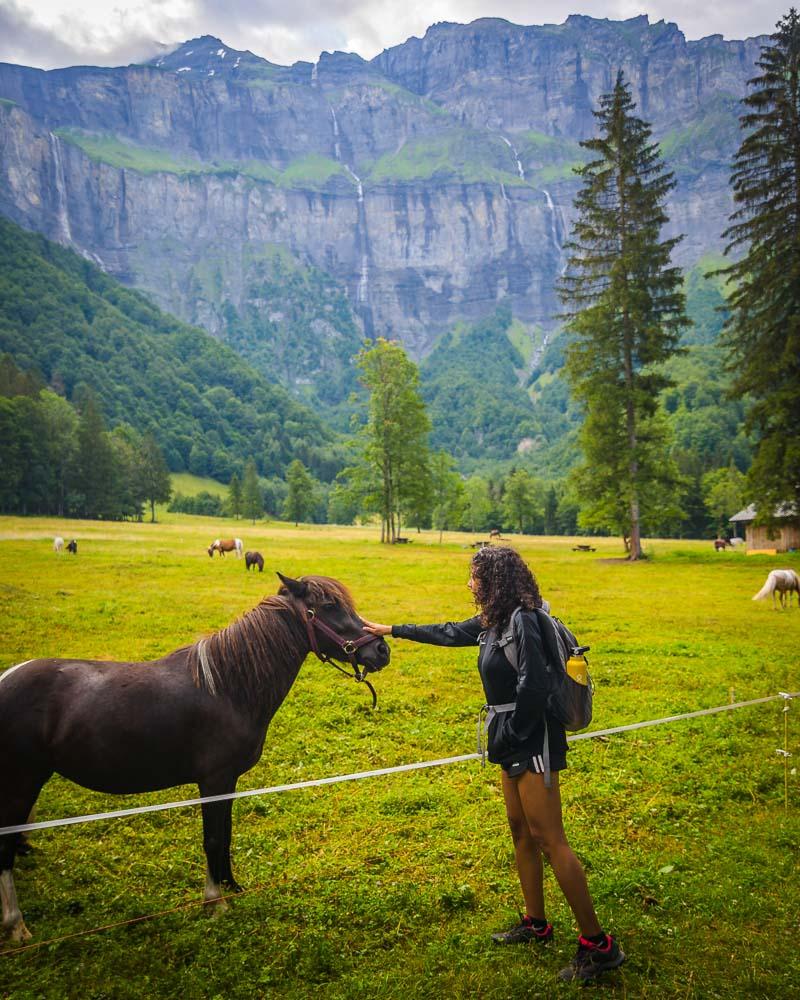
(570, 698)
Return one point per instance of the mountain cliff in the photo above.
(289, 209)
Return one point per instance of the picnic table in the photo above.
(583, 548)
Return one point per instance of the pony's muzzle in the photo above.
(378, 657)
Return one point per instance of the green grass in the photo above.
(463, 154)
(190, 486)
(309, 171)
(389, 887)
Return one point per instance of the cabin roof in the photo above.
(749, 513)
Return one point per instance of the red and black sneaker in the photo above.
(524, 932)
(591, 959)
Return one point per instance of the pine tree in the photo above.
(763, 329)
(252, 497)
(627, 314)
(447, 492)
(95, 463)
(301, 497)
(235, 496)
(153, 474)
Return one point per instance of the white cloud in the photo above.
(51, 33)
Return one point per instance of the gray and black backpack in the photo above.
(570, 689)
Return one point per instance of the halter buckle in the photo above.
(349, 647)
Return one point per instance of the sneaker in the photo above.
(592, 959)
(523, 932)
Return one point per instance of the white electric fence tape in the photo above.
(357, 776)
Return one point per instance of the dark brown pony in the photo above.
(198, 715)
(254, 559)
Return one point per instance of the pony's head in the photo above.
(327, 607)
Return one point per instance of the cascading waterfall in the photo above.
(314, 68)
(520, 170)
(362, 290)
(62, 208)
(556, 217)
(362, 294)
(337, 151)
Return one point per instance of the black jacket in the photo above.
(516, 735)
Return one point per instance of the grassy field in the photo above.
(190, 486)
(389, 887)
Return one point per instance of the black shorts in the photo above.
(534, 764)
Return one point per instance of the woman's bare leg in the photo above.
(527, 854)
(541, 807)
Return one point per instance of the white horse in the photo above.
(781, 582)
(58, 544)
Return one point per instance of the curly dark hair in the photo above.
(503, 582)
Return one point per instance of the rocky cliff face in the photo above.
(431, 183)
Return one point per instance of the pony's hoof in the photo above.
(231, 885)
(216, 908)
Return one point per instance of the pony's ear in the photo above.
(295, 587)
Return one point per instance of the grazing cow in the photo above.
(58, 544)
(781, 582)
(72, 547)
(223, 545)
(495, 533)
(252, 559)
(721, 543)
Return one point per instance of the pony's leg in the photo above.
(13, 924)
(217, 840)
(17, 797)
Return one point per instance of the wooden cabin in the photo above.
(785, 535)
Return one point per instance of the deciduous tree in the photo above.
(392, 443)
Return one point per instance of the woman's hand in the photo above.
(375, 629)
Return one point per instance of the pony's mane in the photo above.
(256, 657)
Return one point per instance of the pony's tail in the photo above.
(766, 590)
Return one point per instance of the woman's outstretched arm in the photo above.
(445, 634)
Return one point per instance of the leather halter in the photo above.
(349, 647)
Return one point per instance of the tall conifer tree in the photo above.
(763, 329)
(627, 311)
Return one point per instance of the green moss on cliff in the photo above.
(460, 154)
(309, 171)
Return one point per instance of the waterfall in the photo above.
(556, 216)
(314, 68)
(520, 170)
(62, 207)
(336, 148)
(362, 294)
(503, 192)
(362, 290)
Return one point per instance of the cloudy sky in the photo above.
(50, 33)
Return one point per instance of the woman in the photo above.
(501, 582)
